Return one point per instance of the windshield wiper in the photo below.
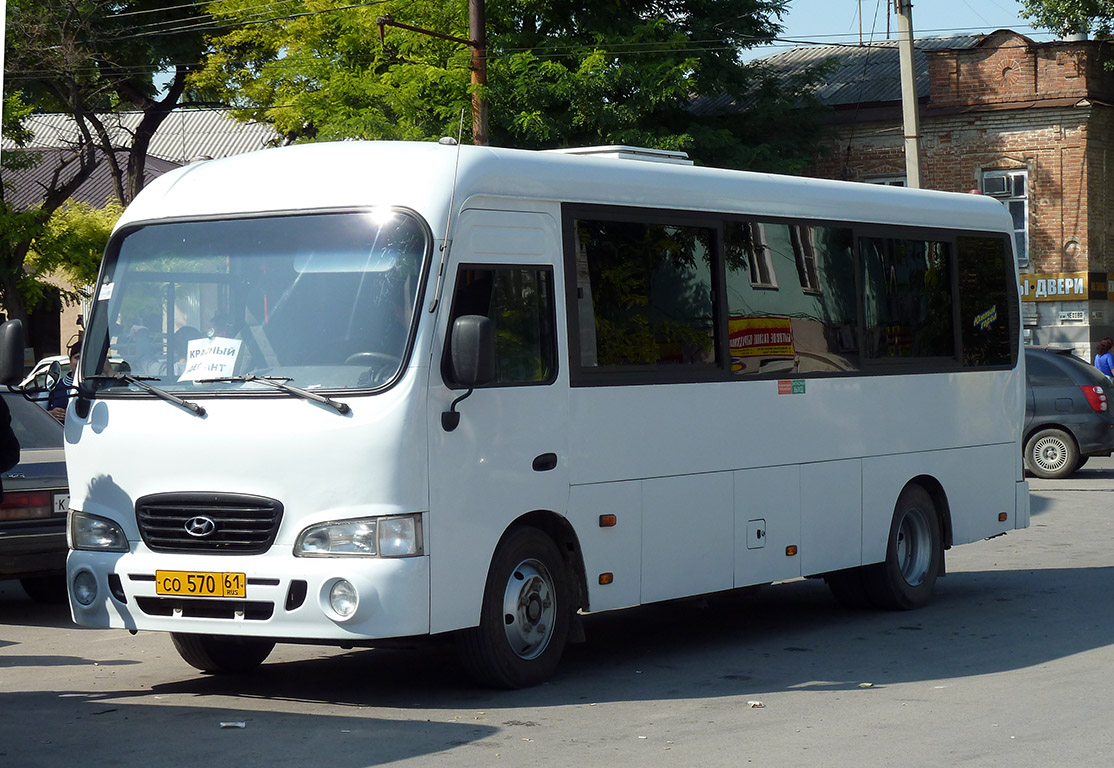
(141, 382)
(280, 383)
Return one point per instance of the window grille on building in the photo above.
(1012, 188)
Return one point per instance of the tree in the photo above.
(1066, 17)
(85, 58)
(560, 73)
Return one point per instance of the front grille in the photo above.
(193, 608)
(213, 523)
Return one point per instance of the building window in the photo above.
(887, 181)
(753, 239)
(804, 252)
(1012, 189)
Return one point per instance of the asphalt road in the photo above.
(1011, 665)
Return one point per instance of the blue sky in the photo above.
(837, 21)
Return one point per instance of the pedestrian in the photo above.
(63, 388)
(1104, 359)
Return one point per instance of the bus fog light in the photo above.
(343, 599)
(84, 588)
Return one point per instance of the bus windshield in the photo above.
(322, 301)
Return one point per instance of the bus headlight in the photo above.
(399, 536)
(96, 533)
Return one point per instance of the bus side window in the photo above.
(520, 302)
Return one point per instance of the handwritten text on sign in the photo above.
(210, 358)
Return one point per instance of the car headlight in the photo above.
(399, 536)
(96, 533)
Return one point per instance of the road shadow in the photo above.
(60, 729)
(16, 608)
(785, 637)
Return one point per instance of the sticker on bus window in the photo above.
(210, 358)
(791, 386)
(105, 292)
(984, 320)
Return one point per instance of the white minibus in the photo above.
(345, 392)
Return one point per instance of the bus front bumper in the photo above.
(284, 597)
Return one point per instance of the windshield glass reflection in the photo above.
(324, 301)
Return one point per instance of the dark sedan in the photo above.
(36, 499)
(1067, 413)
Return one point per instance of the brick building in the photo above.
(1028, 123)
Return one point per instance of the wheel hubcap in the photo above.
(529, 609)
(914, 547)
(1050, 454)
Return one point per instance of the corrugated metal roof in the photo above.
(24, 189)
(185, 135)
(866, 74)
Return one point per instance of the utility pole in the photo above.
(911, 120)
(478, 44)
(477, 30)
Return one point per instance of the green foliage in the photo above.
(99, 55)
(73, 242)
(1065, 17)
(83, 58)
(559, 74)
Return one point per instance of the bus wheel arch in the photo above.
(531, 595)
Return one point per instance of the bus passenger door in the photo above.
(508, 455)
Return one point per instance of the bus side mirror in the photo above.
(53, 375)
(472, 353)
(473, 350)
(11, 352)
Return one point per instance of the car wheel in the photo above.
(222, 654)
(914, 555)
(1051, 454)
(45, 589)
(524, 620)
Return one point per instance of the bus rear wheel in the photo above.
(524, 620)
(914, 555)
(221, 654)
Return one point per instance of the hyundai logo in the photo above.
(199, 527)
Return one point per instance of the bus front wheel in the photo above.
(914, 555)
(524, 620)
(221, 654)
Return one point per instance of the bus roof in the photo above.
(420, 175)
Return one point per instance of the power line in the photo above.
(550, 52)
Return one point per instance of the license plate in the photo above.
(61, 503)
(201, 584)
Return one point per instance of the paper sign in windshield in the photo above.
(210, 358)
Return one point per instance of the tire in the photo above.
(220, 654)
(50, 590)
(524, 620)
(1051, 454)
(914, 555)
